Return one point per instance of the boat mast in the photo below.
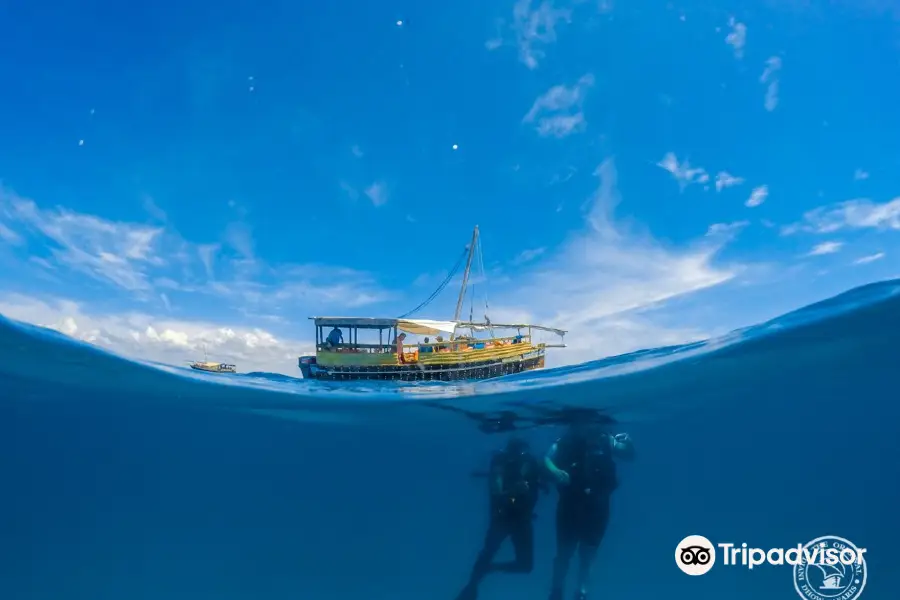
(465, 281)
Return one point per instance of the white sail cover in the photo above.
(426, 326)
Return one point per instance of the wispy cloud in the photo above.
(727, 180)
(737, 37)
(141, 261)
(860, 175)
(770, 77)
(534, 25)
(825, 248)
(239, 236)
(207, 254)
(153, 210)
(852, 214)
(154, 338)
(757, 196)
(683, 172)
(559, 178)
(528, 255)
(870, 258)
(116, 252)
(597, 283)
(351, 191)
(377, 193)
(357, 151)
(557, 112)
(726, 230)
(9, 236)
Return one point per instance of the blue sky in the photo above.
(180, 176)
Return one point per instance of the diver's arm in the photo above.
(622, 446)
(496, 476)
(557, 473)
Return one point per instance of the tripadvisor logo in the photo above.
(826, 568)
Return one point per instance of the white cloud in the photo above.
(528, 255)
(726, 230)
(239, 237)
(116, 252)
(560, 126)
(825, 248)
(737, 38)
(727, 180)
(757, 196)
(859, 175)
(351, 191)
(146, 337)
(377, 193)
(141, 261)
(207, 254)
(770, 77)
(870, 258)
(683, 172)
(9, 236)
(558, 111)
(559, 178)
(602, 281)
(153, 210)
(357, 151)
(852, 214)
(534, 27)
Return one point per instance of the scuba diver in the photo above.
(514, 483)
(583, 463)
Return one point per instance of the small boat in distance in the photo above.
(463, 356)
(213, 367)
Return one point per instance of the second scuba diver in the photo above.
(514, 487)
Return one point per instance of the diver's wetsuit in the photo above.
(582, 512)
(514, 485)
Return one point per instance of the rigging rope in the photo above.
(484, 279)
(441, 287)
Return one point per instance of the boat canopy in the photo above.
(416, 326)
(485, 326)
(426, 326)
(423, 326)
(360, 322)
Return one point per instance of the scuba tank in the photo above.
(590, 465)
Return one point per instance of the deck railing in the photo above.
(447, 346)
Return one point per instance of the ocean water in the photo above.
(121, 480)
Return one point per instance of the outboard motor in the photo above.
(305, 364)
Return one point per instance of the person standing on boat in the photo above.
(583, 464)
(514, 483)
(398, 344)
(335, 337)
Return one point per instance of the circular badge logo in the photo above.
(695, 555)
(830, 568)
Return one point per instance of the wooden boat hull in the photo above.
(207, 370)
(470, 370)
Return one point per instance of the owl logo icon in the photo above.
(695, 555)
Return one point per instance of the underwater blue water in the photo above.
(128, 481)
